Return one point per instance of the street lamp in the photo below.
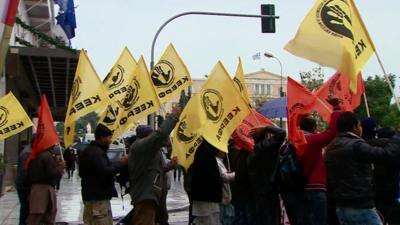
(269, 55)
(268, 26)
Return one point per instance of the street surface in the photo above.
(70, 206)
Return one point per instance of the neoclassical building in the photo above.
(261, 85)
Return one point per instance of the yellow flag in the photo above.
(69, 132)
(140, 101)
(117, 83)
(120, 76)
(240, 82)
(13, 118)
(333, 34)
(187, 135)
(223, 106)
(170, 75)
(88, 95)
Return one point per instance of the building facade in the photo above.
(261, 85)
(34, 66)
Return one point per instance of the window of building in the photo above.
(269, 91)
(258, 89)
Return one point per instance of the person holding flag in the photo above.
(262, 166)
(145, 169)
(314, 202)
(309, 208)
(43, 169)
(97, 173)
(206, 185)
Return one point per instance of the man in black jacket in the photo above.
(97, 173)
(43, 172)
(350, 174)
(263, 167)
(206, 185)
(22, 184)
(386, 177)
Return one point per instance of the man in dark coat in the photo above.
(386, 178)
(70, 158)
(97, 173)
(22, 183)
(43, 172)
(263, 168)
(348, 161)
(206, 185)
(146, 175)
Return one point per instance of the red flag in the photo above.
(323, 108)
(339, 86)
(241, 135)
(300, 102)
(46, 134)
(8, 10)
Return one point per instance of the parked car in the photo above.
(116, 150)
(115, 154)
(88, 137)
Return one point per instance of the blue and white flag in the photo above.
(66, 17)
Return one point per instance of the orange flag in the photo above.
(8, 12)
(300, 102)
(241, 135)
(46, 134)
(339, 86)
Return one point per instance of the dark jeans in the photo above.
(191, 217)
(267, 209)
(58, 184)
(307, 208)
(70, 173)
(352, 216)
(23, 195)
(314, 208)
(244, 212)
(178, 173)
(390, 211)
(293, 204)
(162, 212)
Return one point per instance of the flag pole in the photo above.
(387, 80)
(366, 104)
(61, 153)
(323, 104)
(118, 126)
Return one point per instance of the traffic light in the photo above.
(268, 24)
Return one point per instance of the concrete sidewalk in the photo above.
(70, 207)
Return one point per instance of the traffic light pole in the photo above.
(152, 116)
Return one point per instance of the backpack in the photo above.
(291, 174)
(292, 178)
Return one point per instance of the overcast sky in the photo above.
(104, 27)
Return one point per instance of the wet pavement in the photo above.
(70, 207)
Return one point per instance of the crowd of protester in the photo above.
(347, 174)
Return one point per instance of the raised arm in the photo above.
(367, 153)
